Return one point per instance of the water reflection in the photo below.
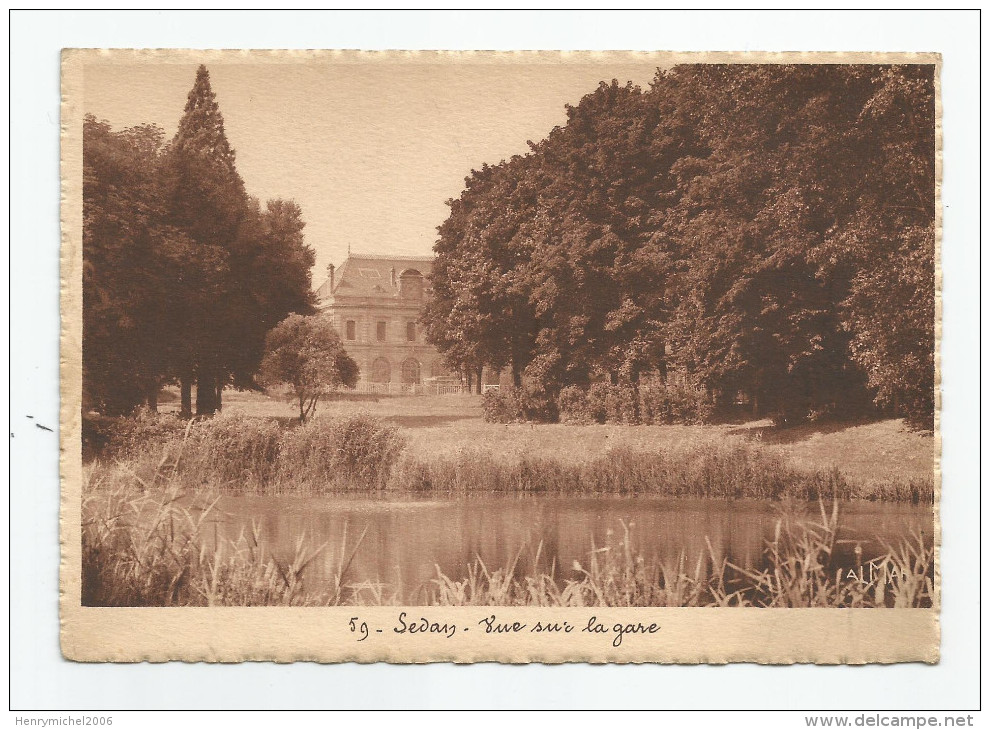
(405, 543)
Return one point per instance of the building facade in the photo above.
(375, 303)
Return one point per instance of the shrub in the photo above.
(652, 402)
(357, 452)
(573, 406)
(126, 437)
(655, 406)
(662, 403)
(621, 404)
(598, 401)
(517, 405)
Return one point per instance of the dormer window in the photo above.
(411, 284)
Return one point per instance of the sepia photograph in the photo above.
(613, 331)
(482, 360)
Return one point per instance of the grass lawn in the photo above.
(866, 452)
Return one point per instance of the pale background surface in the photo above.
(369, 150)
(40, 679)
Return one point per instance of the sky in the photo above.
(370, 148)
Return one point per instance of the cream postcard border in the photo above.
(685, 635)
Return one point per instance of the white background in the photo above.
(41, 680)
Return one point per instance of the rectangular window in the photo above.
(381, 331)
(411, 331)
(351, 330)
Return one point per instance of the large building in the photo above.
(375, 303)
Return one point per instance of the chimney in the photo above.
(330, 271)
(393, 276)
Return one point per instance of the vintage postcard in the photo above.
(517, 357)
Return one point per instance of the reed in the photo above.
(799, 572)
(733, 471)
(159, 546)
(236, 453)
(149, 543)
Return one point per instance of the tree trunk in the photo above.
(470, 382)
(219, 401)
(186, 409)
(153, 397)
(516, 374)
(206, 394)
(478, 378)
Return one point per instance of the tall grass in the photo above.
(162, 547)
(146, 542)
(799, 572)
(729, 471)
(236, 453)
(339, 455)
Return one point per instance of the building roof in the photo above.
(370, 275)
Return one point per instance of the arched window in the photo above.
(410, 372)
(381, 371)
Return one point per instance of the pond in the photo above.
(405, 543)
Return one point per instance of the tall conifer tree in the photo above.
(206, 199)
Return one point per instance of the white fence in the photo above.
(423, 389)
(410, 389)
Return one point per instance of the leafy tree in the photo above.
(270, 278)
(306, 354)
(116, 244)
(597, 275)
(131, 257)
(184, 274)
(259, 256)
(764, 229)
(779, 215)
(479, 314)
(891, 313)
(889, 242)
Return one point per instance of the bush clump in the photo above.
(517, 405)
(651, 402)
(236, 452)
(357, 452)
(663, 403)
(125, 437)
(574, 406)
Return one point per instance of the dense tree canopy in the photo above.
(762, 230)
(184, 273)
